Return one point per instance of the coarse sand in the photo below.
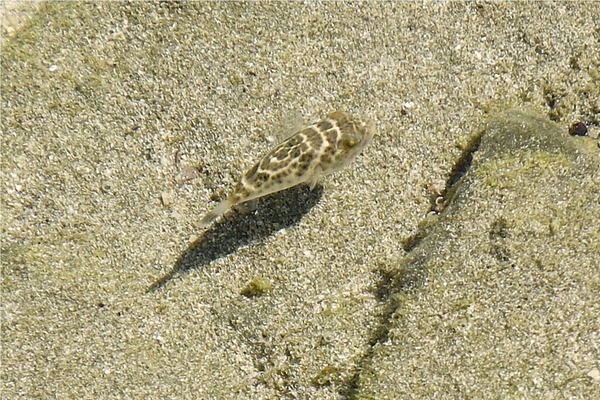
(457, 257)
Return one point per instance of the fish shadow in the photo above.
(275, 212)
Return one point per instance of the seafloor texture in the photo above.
(508, 278)
(14, 14)
(123, 123)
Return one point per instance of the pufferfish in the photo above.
(316, 150)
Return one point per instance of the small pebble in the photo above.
(186, 174)
(166, 198)
(578, 129)
(594, 374)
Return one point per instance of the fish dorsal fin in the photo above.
(290, 124)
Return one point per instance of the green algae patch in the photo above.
(509, 169)
(256, 287)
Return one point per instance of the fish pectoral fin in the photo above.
(314, 179)
(247, 207)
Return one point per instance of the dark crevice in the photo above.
(459, 170)
(396, 283)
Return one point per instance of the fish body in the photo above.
(316, 150)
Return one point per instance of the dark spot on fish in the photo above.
(295, 140)
(265, 163)
(302, 168)
(343, 122)
(296, 152)
(329, 150)
(260, 178)
(324, 125)
(282, 153)
(282, 174)
(277, 166)
(331, 136)
(306, 157)
(313, 138)
(252, 171)
(240, 194)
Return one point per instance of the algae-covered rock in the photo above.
(509, 300)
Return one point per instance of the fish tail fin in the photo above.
(215, 213)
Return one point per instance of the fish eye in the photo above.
(350, 142)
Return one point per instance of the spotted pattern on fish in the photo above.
(322, 148)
